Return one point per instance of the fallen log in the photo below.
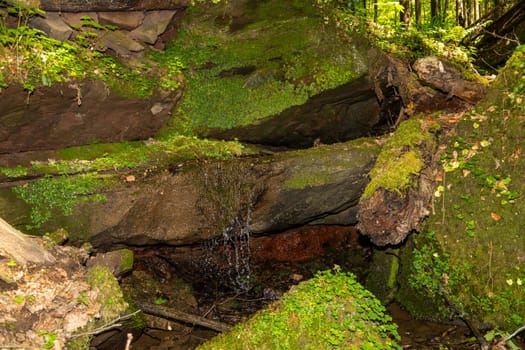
(178, 315)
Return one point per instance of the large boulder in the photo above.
(200, 200)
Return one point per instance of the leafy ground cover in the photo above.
(330, 311)
(470, 256)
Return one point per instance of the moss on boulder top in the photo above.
(331, 311)
(252, 61)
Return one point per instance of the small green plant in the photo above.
(161, 300)
(61, 193)
(83, 298)
(18, 171)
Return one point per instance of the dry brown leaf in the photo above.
(466, 172)
(495, 216)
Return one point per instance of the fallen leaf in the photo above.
(491, 109)
(495, 216)
(130, 178)
(466, 172)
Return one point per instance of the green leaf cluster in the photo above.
(63, 193)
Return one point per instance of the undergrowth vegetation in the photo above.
(471, 257)
(32, 59)
(330, 311)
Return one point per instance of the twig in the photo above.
(178, 315)
(516, 332)
(108, 326)
(461, 314)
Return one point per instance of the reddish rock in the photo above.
(113, 5)
(75, 19)
(300, 244)
(119, 42)
(53, 25)
(70, 114)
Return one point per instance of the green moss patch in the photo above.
(274, 62)
(400, 160)
(331, 311)
(328, 164)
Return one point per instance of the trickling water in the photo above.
(237, 240)
(234, 245)
(228, 192)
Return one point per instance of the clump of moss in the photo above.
(331, 311)
(110, 297)
(400, 159)
(62, 193)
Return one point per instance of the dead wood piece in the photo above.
(177, 315)
(389, 217)
(22, 248)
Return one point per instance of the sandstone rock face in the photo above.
(112, 5)
(75, 114)
(128, 20)
(265, 195)
(154, 24)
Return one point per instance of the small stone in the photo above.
(53, 25)
(155, 23)
(297, 277)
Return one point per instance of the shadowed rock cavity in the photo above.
(347, 112)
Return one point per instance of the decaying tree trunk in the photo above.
(496, 42)
(21, 248)
(389, 217)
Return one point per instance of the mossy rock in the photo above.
(237, 74)
(471, 253)
(330, 311)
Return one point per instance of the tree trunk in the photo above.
(404, 15)
(21, 248)
(418, 13)
(460, 18)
